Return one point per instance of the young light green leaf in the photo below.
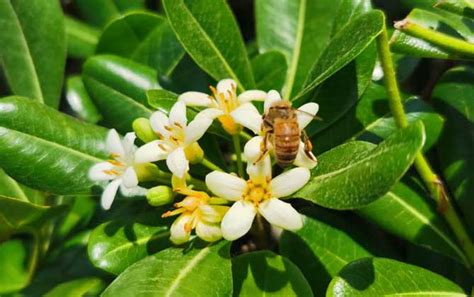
(269, 70)
(452, 97)
(30, 147)
(81, 38)
(264, 273)
(14, 259)
(111, 248)
(355, 174)
(90, 286)
(33, 51)
(461, 7)
(80, 102)
(118, 88)
(218, 50)
(384, 277)
(204, 270)
(101, 12)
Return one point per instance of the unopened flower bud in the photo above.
(160, 195)
(143, 130)
(147, 172)
(194, 153)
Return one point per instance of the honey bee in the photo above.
(281, 129)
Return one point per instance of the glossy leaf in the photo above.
(218, 50)
(461, 7)
(14, 259)
(324, 245)
(452, 97)
(412, 218)
(79, 287)
(118, 88)
(81, 38)
(10, 188)
(80, 102)
(143, 37)
(269, 70)
(203, 270)
(346, 45)
(117, 244)
(53, 155)
(33, 51)
(354, 174)
(101, 12)
(439, 20)
(381, 277)
(264, 273)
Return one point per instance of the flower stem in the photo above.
(442, 40)
(430, 178)
(245, 135)
(205, 162)
(238, 153)
(34, 257)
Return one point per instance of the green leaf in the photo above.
(90, 286)
(33, 51)
(118, 88)
(324, 245)
(269, 70)
(81, 38)
(354, 174)
(144, 37)
(23, 217)
(384, 277)
(218, 50)
(80, 102)
(412, 218)
(452, 97)
(52, 155)
(14, 259)
(202, 270)
(346, 45)
(438, 20)
(117, 244)
(101, 12)
(461, 7)
(10, 188)
(82, 208)
(264, 273)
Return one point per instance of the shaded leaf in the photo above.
(79, 287)
(269, 70)
(10, 188)
(80, 102)
(101, 12)
(81, 38)
(14, 259)
(461, 7)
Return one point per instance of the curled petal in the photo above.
(151, 152)
(129, 143)
(130, 178)
(281, 214)
(196, 129)
(109, 193)
(213, 213)
(195, 99)
(98, 172)
(210, 113)
(290, 181)
(248, 116)
(225, 185)
(178, 114)
(252, 95)
(261, 171)
(177, 162)
(179, 232)
(114, 144)
(306, 114)
(272, 97)
(158, 122)
(302, 159)
(252, 148)
(238, 220)
(208, 232)
(225, 86)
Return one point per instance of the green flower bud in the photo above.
(160, 195)
(143, 130)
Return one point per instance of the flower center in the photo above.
(176, 135)
(256, 193)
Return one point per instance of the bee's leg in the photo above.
(263, 146)
(308, 146)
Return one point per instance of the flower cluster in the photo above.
(226, 204)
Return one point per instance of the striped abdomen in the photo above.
(286, 141)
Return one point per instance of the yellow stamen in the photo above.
(115, 162)
(111, 172)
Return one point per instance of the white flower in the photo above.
(248, 116)
(259, 194)
(223, 102)
(196, 212)
(118, 170)
(178, 140)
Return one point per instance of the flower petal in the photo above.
(208, 232)
(151, 152)
(272, 97)
(213, 213)
(158, 122)
(248, 116)
(130, 178)
(195, 99)
(196, 129)
(132, 192)
(306, 114)
(252, 148)
(225, 185)
(129, 143)
(109, 193)
(281, 214)
(210, 113)
(96, 172)
(114, 144)
(177, 162)
(238, 220)
(178, 114)
(225, 86)
(252, 95)
(261, 171)
(302, 160)
(178, 231)
(289, 182)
